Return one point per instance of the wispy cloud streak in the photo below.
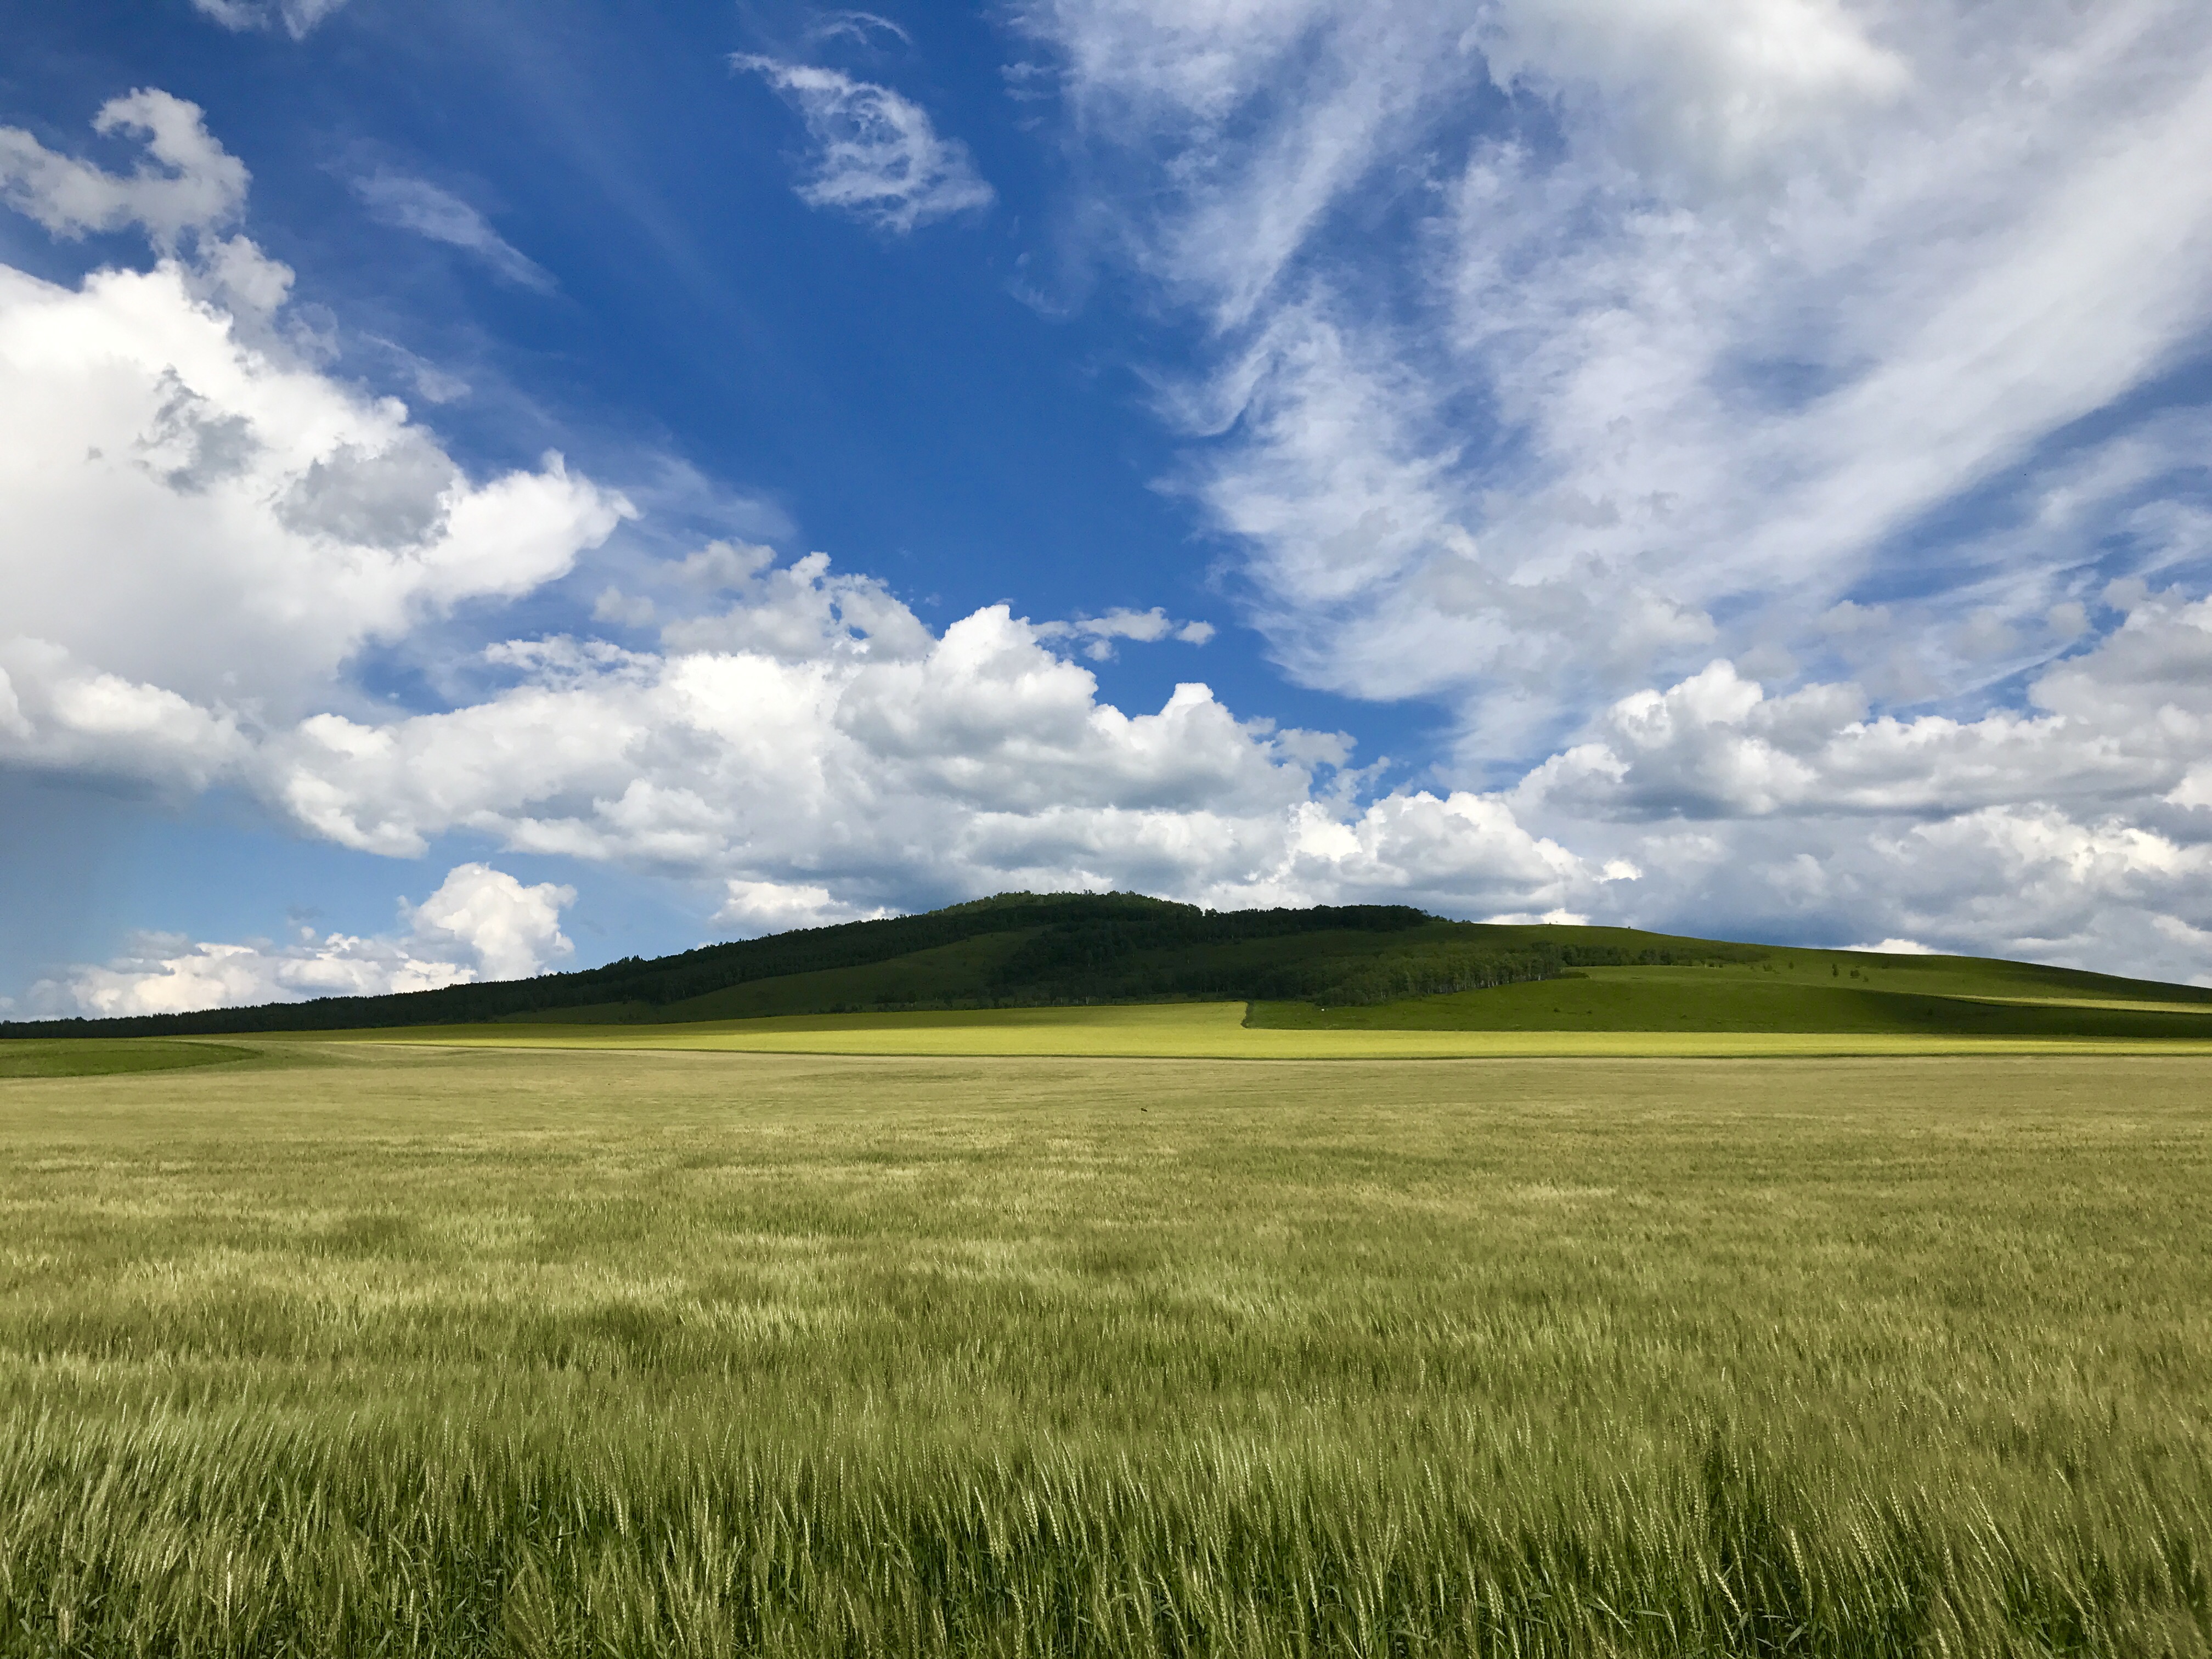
(437, 214)
(876, 154)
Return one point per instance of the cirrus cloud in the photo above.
(436, 213)
(298, 18)
(876, 154)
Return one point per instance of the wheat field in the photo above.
(381, 1349)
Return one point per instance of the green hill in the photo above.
(1376, 967)
(1803, 991)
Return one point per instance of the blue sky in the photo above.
(1738, 469)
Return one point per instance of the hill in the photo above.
(1796, 991)
(1376, 967)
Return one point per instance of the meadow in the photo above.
(375, 1348)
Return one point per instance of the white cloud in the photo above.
(182, 509)
(1715, 89)
(432, 384)
(431, 211)
(774, 907)
(512, 931)
(194, 184)
(2125, 725)
(794, 614)
(1249, 122)
(860, 26)
(816, 751)
(1141, 627)
(480, 924)
(877, 155)
(1894, 947)
(200, 526)
(298, 18)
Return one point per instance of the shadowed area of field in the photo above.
(110, 1056)
(1971, 999)
(425, 1351)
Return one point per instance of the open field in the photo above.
(378, 1348)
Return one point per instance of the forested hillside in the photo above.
(1030, 949)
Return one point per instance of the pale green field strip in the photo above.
(1204, 1030)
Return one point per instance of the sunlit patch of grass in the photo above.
(596, 1352)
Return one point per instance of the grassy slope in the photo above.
(1735, 988)
(106, 1056)
(1953, 999)
(432, 1352)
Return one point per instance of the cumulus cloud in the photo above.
(876, 154)
(179, 508)
(431, 211)
(509, 930)
(820, 753)
(480, 924)
(200, 526)
(188, 183)
(2124, 725)
(772, 906)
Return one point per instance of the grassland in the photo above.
(374, 1348)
